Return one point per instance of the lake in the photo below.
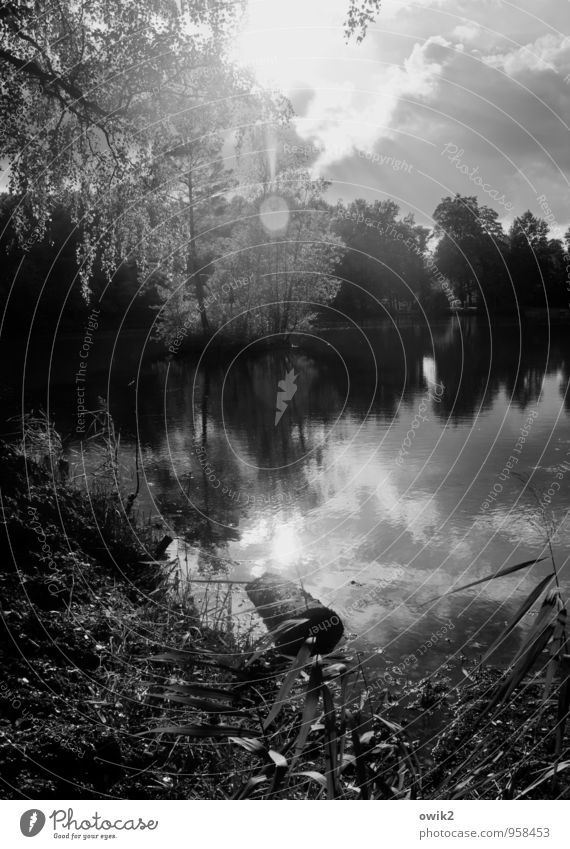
(380, 481)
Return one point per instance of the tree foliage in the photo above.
(385, 257)
(538, 261)
(361, 13)
(85, 103)
(471, 251)
(270, 257)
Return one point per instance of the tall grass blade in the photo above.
(280, 770)
(353, 721)
(407, 758)
(342, 718)
(549, 773)
(314, 776)
(172, 656)
(508, 571)
(202, 731)
(254, 747)
(563, 698)
(520, 670)
(309, 711)
(295, 670)
(331, 750)
(556, 651)
(525, 659)
(523, 609)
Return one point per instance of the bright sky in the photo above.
(486, 77)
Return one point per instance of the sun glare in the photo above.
(282, 42)
(286, 547)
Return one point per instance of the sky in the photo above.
(442, 96)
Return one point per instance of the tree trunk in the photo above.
(192, 259)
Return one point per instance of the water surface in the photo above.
(328, 496)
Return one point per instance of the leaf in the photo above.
(294, 671)
(278, 759)
(366, 738)
(255, 747)
(315, 776)
(347, 760)
(391, 726)
(334, 670)
(202, 731)
(173, 656)
(508, 571)
(527, 661)
(280, 770)
(547, 616)
(524, 608)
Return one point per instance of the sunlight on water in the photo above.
(285, 546)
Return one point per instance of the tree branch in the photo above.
(51, 83)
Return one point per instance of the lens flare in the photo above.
(274, 214)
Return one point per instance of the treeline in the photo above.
(362, 259)
(466, 261)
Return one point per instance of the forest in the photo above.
(357, 261)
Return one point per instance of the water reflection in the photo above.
(321, 497)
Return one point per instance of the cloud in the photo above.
(550, 52)
(393, 8)
(467, 32)
(491, 78)
(350, 118)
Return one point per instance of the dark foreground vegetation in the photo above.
(114, 683)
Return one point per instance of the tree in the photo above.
(529, 258)
(83, 105)
(189, 178)
(41, 283)
(274, 259)
(471, 251)
(384, 260)
(194, 184)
